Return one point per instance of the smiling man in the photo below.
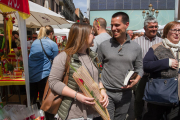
(118, 55)
(145, 41)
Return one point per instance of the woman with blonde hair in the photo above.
(75, 105)
(40, 62)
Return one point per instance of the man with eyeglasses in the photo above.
(118, 55)
(146, 41)
(29, 43)
(99, 27)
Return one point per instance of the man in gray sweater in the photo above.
(118, 55)
(99, 26)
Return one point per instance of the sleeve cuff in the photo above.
(170, 62)
(58, 89)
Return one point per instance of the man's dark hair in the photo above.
(15, 32)
(34, 34)
(125, 17)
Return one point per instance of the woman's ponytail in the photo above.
(42, 33)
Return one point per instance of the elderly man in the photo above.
(146, 41)
(130, 33)
(99, 26)
(118, 55)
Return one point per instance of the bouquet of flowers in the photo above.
(90, 89)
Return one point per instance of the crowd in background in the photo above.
(118, 51)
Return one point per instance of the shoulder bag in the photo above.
(162, 91)
(51, 100)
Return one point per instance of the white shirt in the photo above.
(29, 43)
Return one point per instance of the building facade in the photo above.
(79, 14)
(53, 4)
(134, 8)
(64, 7)
(67, 9)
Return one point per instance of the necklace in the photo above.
(92, 74)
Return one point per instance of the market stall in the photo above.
(21, 9)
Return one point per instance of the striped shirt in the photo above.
(145, 43)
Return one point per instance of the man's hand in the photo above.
(132, 82)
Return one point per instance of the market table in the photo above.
(7, 81)
(12, 81)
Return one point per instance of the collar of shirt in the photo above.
(146, 38)
(127, 39)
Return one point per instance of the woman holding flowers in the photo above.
(75, 105)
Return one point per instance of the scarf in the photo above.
(174, 47)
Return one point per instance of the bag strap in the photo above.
(45, 52)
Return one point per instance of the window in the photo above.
(57, 8)
(52, 5)
(131, 4)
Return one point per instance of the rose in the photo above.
(13, 18)
(32, 116)
(7, 19)
(1, 50)
(13, 22)
(81, 81)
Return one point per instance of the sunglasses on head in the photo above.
(97, 21)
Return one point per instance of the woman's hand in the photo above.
(104, 98)
(85, 100)
(174, 63)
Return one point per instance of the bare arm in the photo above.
(79, 96)
(104, 100)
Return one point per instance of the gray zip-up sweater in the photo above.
(117, 60)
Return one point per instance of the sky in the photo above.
(82, 4)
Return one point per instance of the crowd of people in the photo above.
(118, 51)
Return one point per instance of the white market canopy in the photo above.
(40, 16)
(64, 25)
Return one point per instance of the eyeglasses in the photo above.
(153, 27)
(97, 21)
(175, 30)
